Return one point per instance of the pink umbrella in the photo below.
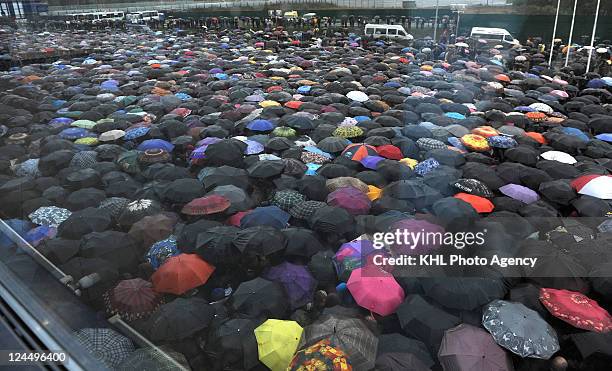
(376, 290)
(351, 199)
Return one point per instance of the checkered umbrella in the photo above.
(105, 344)
(305, 209)
(84, 159)
(286, 199)
(154, 360)
(49, 216)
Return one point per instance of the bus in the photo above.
(144, 16)
(96, 17)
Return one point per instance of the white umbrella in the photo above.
(600, 187)
(542, 107)
(559, 156)
(357, 96)
(109, 136)
(462, 45)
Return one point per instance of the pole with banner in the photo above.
(552, 43)
(571, 35)
(593, 36)
(436, 21)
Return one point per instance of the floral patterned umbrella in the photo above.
(49, 216)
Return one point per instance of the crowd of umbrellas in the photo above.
(222, 198)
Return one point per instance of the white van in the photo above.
(497, 36)
(387, 31)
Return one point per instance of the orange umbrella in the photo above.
(502, 77)
(475, 142)
(294, 104)
(537, 137)
(485, 131)
(536, 116)
(480, 204)
(181, 273)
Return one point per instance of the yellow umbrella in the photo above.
(277, 341)
(374, 192)
(88, 141)
(409, 161)
(268, 103)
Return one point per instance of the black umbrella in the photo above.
(322, 268)
(225, 175)
(329, 219)
(226, 152)
(400, 362)
(424, 321)
(395, 343)
(136, 210)
(466, 293)
(260, 298)
(179, 319)
(266, 168)
(259, 240)
(216, 246)
(529, 295)
(59, 250)
(415, 191)
(83, 198)
(301, 242)
(116, 247)
(233, 345)
(182, 191)
(239, 199)
(85, 221)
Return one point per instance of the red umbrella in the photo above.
(480, 204)
(358, 151)
(236, 218)
(390, 151)
(376, 290)
(132, 299)
(351, 199)
(595, 185)
(181, 273)
(576, 309)
(206, 205)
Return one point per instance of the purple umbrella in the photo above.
(519, 192)
(416, 236)
(351, 199)
(469, 348)
(370, 162)
(253, 147)
(350, 256)
(296, 279)
(207, 141)
(198, 153)
(255, 98)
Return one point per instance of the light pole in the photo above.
(593, 36)
(552, 43)
(569, 42)
(436, 21)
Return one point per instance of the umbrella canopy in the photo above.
(576, 309)
(520, 329)
(375, 290)
(181, 273)
(595, 185)
(466, 347)
(234, 344)
(277, 342)
(179, 319)
(271, 216)
(321, 355)
(297, 281)
(259, 298)
(480, 204)
(132, 299)
(152, 359)
(206, 205)
(473, 186)
(106, 344)
(467, 293)
(49, 216)
(520, 193)
(351, 199)
(358, 151)
(351, 334)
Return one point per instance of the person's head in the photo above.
(558, 364)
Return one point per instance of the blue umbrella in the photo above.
(426, 166)
(524, 109)
(607, 137)
(162, 250)
(20, 226)
(183, 96)
(370, 162)
(136, 133)
(36, 235)
(312, 168)
(454, 115)
(272, 216)
(597, 84)
(260, 125)
(221, 76)
(361, 118)
(253, 147)
(392, 84)
(75, 133)
(576, 132)
(456, 142)
(61, 122)
(317, 151)
(502, 141)
(156, 144)
(304, 89)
